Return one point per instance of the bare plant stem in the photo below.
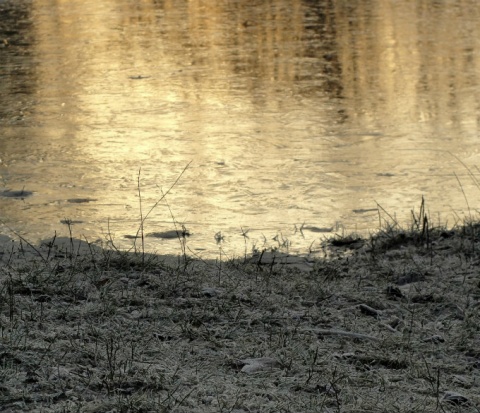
(142, 234)
(380, 208)
(40, 255)
(464, 196)
(181, 235)
(143, 218)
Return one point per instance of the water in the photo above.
(291, 112)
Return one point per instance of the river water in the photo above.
(286, 112)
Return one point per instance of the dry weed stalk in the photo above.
(143, 218)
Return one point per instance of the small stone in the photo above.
(21, 194)
(436, 339)
(394, 292)
(80, 200)
(210, 292)
(367, 310)
(454, 398)
(259, 364)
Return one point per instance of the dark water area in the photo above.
(296, 118)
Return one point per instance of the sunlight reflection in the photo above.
(291, 111)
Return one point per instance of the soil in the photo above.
(387, 324)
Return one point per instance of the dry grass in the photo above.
(393, 326)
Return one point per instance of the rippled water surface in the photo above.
(287, 112)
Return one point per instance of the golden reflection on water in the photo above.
(291, 112)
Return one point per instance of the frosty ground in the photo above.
(385, 324)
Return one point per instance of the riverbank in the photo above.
(389, 323)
